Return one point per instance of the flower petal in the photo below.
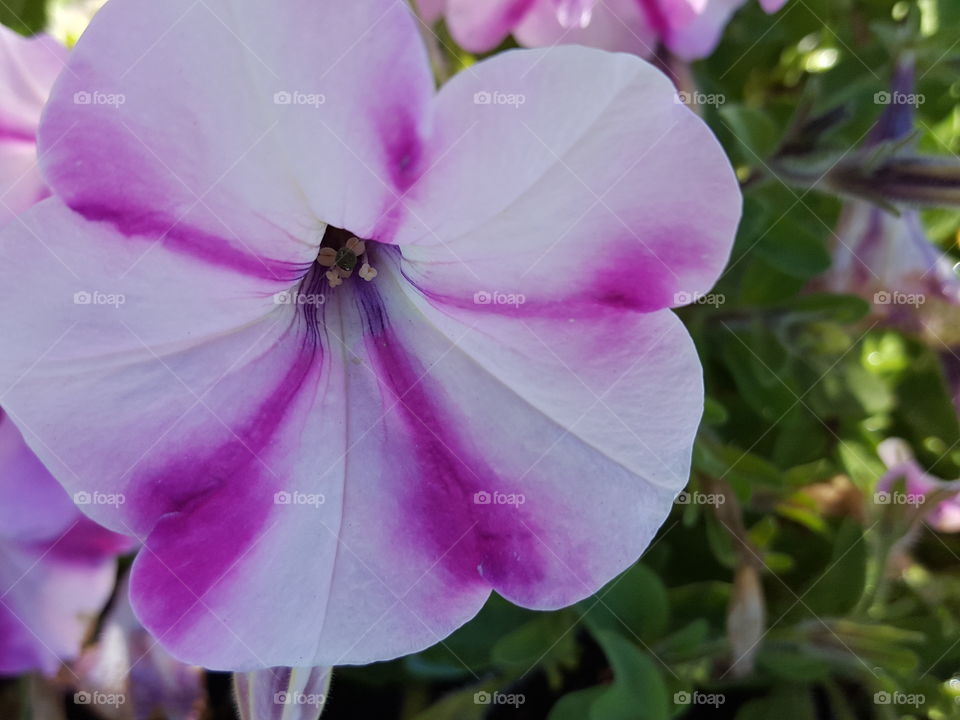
(390, 523)
(615, 25)
(282, 693)
(56, 567)
(481, 26)
(28, 68)
(284, 117)
(529, 191)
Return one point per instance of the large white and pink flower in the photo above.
(331, 467)
(690, 29)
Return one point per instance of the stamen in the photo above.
(366, 272)
(343, 261)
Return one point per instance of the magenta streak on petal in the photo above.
(404, 149)
(492, 544)
(633, 279)
(513, 14)
(656, 17)
(177, 236)
(230, 499)
(17, 135)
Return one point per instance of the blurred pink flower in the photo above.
(28, 68)
(57, 568)
(128, 665)
(883, 253)
(690, 29)
(918, 485)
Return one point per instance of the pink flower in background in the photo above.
(941, 514)
(690, 29)
(883, 253)
(334, 448)
(125, 662)
(57, 568)
(28, 68)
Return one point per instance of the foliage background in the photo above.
(834, 605)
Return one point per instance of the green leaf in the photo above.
(635, 604)
(576, 705)
(838, 589)
(638, 691)
(549, 641)
(24, 16)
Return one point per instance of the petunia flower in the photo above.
(336, 475)
(28, 68)
(937, 500)
(57, 568)
(691, 29)
(882, 252)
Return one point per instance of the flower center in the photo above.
(341, 252)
